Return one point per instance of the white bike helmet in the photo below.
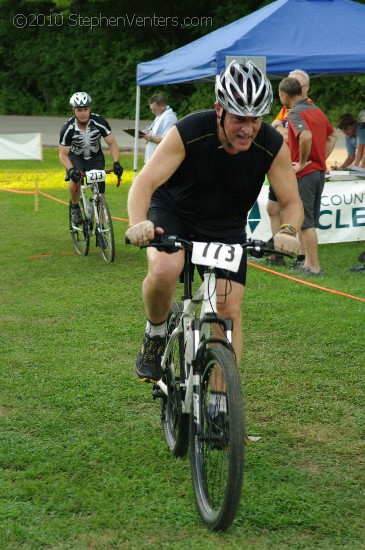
(243, 90)
(80, 99)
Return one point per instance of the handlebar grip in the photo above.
(156, 240)
(162, 242)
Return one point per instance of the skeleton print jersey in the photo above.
(85, 144)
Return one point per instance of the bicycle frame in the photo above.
(86, 202)
(98, 177)
(90, 208)
(197, 332)
(97, 220)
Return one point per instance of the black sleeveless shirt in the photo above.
(213, 190)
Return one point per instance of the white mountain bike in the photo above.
(96, 217)
(200, 389)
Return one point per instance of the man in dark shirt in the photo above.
(203, 179)
(80, 148)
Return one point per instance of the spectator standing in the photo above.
(165, 118)
(80, 147)
(280, 123)
(311, 139)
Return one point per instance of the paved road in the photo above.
(50, 130)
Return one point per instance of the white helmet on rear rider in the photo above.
(244, 90)
(80, 99)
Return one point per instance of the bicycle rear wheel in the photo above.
(175, 424)
(104, 230)
(80, 233)
(217, 439)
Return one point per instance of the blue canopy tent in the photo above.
(322, 37)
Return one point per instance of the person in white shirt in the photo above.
(165, 119)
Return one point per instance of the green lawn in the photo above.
(83, 464)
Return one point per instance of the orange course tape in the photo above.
(337, 292)
(49, 197)
(306, 282)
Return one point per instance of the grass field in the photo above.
(83, 464)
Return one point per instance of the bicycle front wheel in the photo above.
(217, 438)
(175, 424)
(104, 230)
(80, 233)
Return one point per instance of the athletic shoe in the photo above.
(278, 259)
(148, 364)
(362, 257)
(297, 264)
(76, 217)
(309, 273)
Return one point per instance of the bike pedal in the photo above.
(157, 393)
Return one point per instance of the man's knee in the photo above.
(272, 208)
(230, 310)
(164, 269)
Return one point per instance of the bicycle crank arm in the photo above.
(159, 390)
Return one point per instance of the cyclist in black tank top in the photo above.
(211, 183)
(202, 180)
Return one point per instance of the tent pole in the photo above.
(138, 101)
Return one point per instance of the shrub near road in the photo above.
(82, 458)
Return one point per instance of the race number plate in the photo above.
(93, 176)
(225, 256)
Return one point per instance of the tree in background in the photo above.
(49, 49)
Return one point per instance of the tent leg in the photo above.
(138, 102)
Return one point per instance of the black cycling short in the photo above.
(172, 224)
(83, 165)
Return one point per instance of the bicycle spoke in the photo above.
(175, 424)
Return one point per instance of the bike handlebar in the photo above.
(173, 243)
(109, 171)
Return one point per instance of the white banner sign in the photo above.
(342, 217)
(20, 147)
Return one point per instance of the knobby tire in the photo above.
(80, 234)
(217, 442)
